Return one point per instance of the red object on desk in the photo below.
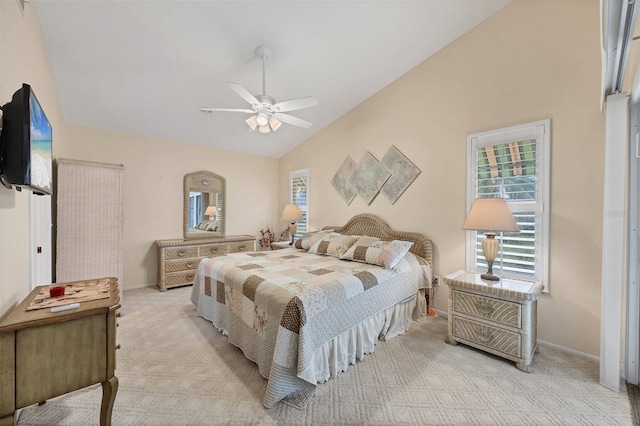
(56, 291)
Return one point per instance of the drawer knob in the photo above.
(213, 249)
(484, 308)
(191, 264)
(181, 253)
(242, 248)
(191, 276)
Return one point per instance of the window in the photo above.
(195, 208)
(513, 163)
(299, 194)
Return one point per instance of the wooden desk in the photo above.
(44, 354)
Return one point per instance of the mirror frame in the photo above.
(203, 181)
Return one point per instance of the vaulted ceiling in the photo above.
(146, 67)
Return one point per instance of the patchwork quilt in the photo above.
(281, 306)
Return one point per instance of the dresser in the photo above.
(45, 354)
(498, 317)
(178, 259)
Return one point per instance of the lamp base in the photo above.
(292, 231)
(490, 277)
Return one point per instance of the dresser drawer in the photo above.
(494, 338)
(241, 246)
(213, 249)
(498, 311)
(180, 278)
(180, 252)
(181, 265)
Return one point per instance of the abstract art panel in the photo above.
(368, 177)
(342, 180)
(403, 173)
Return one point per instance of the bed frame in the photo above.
(374, 226)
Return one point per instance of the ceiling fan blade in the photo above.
(295, 104)
(290, 119)
(248, 111)
(244, 93)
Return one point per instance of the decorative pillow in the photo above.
(310, 238)
(333, 244)
(377, 252)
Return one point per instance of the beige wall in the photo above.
(22, 60)
(154, 171)
(530, 61)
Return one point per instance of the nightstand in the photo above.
(279, 245)
(498, 317)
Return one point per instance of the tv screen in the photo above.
(25, 144)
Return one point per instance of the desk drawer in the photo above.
(499, 311)
(181, 265)
(504, 341)
(180, 252)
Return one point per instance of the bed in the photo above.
(303, 314)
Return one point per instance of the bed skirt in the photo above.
(334, 356)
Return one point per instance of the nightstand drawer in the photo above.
(499, 311)
(180, 252)
(181, 265)
(213, 249)
(180, 278)
(493, 338)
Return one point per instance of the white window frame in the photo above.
(540, 131)
(305, 209)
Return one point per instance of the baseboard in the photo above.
(559, 348)
(569, 351)
(136, 287)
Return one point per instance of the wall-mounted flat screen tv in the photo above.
(25, 144)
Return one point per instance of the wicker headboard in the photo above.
(373, 226)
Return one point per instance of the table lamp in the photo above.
(292, 213)
(212, 212)
(490, 215)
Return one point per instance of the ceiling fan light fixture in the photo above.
(262, 119)
(264, 129)
(252, 122)
(274, 123)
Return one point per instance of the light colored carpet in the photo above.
(176, 369)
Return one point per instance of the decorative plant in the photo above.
(266, 237)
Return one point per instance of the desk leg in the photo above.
(109, 390)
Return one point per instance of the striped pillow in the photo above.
(377, 252)
(333, 244)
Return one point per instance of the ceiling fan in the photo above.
(268, 114)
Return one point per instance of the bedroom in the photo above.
(479, 82)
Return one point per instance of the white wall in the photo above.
(529, 61)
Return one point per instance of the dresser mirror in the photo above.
(204, 204)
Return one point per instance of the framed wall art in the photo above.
(403, 173)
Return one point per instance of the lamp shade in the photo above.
(211, 211)
(291, 212)
(490, 214)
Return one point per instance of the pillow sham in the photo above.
(333, 244)
(310, 238)
(377, 252)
